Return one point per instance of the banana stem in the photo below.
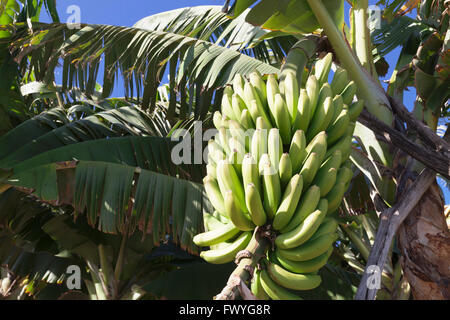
(363, 248)
(99, 285)
(120, 258)
(363, 47)
(368, 89)
(403, 290)
(235, 286)
(298, 57)
(106, 271)
(370, 230)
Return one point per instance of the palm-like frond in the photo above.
(53, 129)
(393, 8)
(148, 153)
(118, 139)
(116, 197)
(289, 17)
(141, 56)
(397, 33)
(210, 23)
(25, 250)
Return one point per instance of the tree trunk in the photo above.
(424, 241)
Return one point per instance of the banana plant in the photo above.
(69, 130)
(203, 50)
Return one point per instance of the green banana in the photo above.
(252, 179)
(229, 180)
(318, 145)
(216, 151)
(334, 197)
(216, 236)
(237, 144)
(262, 124)
(355, 109)
(324, 93)
(227, 253)
(213, 163)
(275, 291)
(254, 205)
(223, 136)
(282, 119)
(217, 119)
(221, 245)
(273, 89)
(210, 222)
(308, 266)
(246, 119)
(338, 128)
(308, 203)
(292, 280)
(349, 93)
(228, 90)
(289, 202)
(271, 189)
(327, 174)
(237, 105)
(227, 108)
(338, 106)
(340, 81)
(235, 158)
(258, 83)
(285, 169)
(238, 85)
(345, 174)
(313, 89)
(241, 220)
(310, 168)
(303, 112)
(211, 170)
(258, 145)
(321, 119)
(253, 108)
(220, 217)
(304, 230)
(325, 180)
(329, 225)
(344, 144)
(274, 147)
(291, 94)
(250, 172)
(257, 288)
(252, 99)
(323, 67)
(351, 129)
(310, 249)
(297, 152)
(333, 161)
(214, 194)
(265, 161)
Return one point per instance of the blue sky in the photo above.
(128, 12)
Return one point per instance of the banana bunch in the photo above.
(280, 158)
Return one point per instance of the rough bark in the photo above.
(424, 240)
(390, 221)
